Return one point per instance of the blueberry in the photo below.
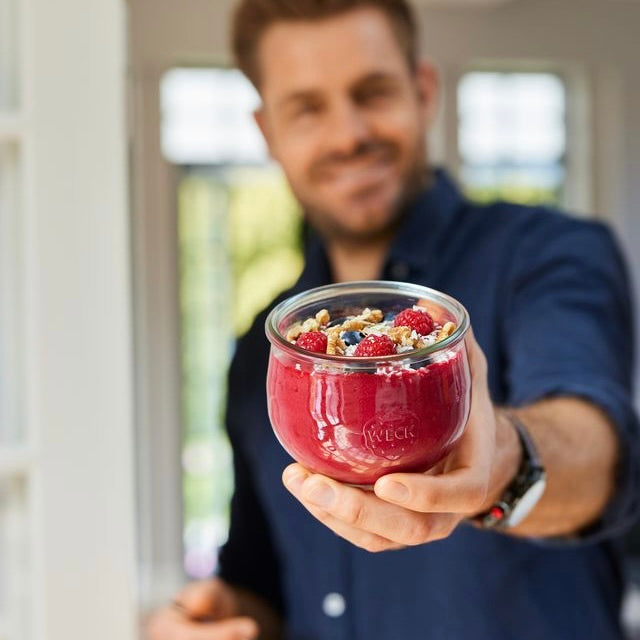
(351, 338)
(388, 317)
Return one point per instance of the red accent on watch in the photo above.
(496, 512)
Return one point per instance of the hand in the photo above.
(414, 508)
(204, 610)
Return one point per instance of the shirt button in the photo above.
(399, 270)
(334, 605)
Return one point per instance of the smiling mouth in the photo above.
(357, 176)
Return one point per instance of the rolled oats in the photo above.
(369, 322)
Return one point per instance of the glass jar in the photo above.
(355, 419)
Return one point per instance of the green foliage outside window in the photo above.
(239, 245)
(520, 194)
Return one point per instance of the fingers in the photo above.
(477, 359)
(203, 610)
(171, 624)
(462, 491)
(231, 629)
(482, 410)
(361, 517)
(363, 539)
(207, 600)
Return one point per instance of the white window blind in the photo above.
(512, 135)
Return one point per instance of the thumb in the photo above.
(477, 360)
(230, 629)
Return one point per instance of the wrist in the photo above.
(525, 489)
(507, 459)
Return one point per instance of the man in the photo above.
(346, 108)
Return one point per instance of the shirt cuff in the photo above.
(624, 507)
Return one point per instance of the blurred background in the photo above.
(142, 227)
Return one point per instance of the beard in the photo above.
(377, 226)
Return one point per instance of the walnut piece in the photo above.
(294, 332)
(446, 331)
(335, 344)
(322, 317)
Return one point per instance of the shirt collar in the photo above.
(426, 219)
(317, 271)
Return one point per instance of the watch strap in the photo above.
(529, 472)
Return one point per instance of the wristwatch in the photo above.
(526, 489)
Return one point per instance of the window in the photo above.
(239, 231)
(14, 490)
(14, 558)
(207, 118)
(9, 47)
(512, 136)
(11, 419)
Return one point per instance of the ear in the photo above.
(261, 120)
(428, 87)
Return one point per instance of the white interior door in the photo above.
(67, 557)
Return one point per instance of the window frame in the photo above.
(579, 195)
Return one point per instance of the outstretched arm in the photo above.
(577, 443)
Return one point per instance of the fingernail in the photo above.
(293, 480)
(321, 495)
(392, 490)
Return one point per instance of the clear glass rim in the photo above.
(366, 286)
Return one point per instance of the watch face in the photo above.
(527, 502)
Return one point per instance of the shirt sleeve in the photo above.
(569, 331)
(248, 559)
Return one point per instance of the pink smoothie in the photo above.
(355, 426)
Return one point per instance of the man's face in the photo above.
(346, 117)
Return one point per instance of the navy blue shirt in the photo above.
(549, 303)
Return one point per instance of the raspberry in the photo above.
(374, 345)
(420, 321)
(315, 341)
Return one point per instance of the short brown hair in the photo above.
(252, 18)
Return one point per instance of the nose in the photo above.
(347, 128)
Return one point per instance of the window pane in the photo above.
(207, 118)
(512, 135)
(10, 298)
(239, 234)
(239, 246)
(13, 561)
(8, 54)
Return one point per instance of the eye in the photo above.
(375, 93)
(308, 108)
(305, 109)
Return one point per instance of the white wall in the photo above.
(78, 320)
